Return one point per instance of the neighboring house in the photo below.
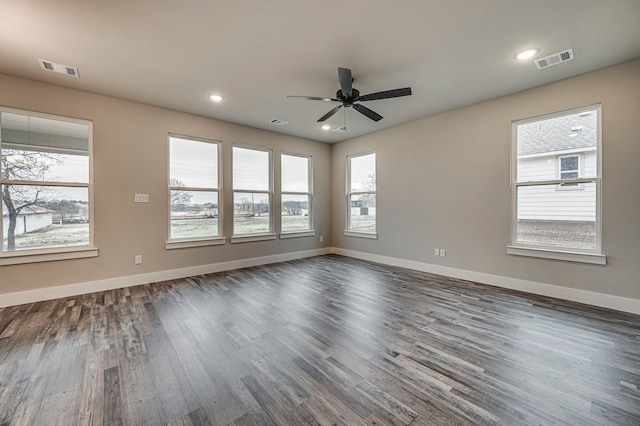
(30, 219)
(559, 148)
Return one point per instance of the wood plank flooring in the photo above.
(324, 340)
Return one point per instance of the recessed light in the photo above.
(526, 54)
(326, 127)
(216, 98)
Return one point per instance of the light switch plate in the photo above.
(141, 198)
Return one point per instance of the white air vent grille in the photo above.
(555, 59)
(59, 68)
(278, 122)
(339, 130)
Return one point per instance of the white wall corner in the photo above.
(571, 294)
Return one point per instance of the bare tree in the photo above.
(369, 185)
(25, 166)
(179, 197)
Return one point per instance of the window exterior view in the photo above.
(194, 188)
(361, 193)
(252, 191)
(296, 193)
(557, 180)
(45, 181)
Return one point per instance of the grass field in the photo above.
(69, 235)
(561, 234)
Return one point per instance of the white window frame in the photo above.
(571, 186)
(179, 243)
(349, 193)
(594, 256)
(262, 236)
(309, 232)
(53, 253)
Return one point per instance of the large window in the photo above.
(45, 182)
(361, 195)
(296, 193)
(252, 190)
(194, 189)
(556, 186)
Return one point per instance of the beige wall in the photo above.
(443, 182)
(130, 156)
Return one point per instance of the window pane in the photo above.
(194, 214)
(569, 175)
(295, 173)
(20, 164)
(295, 212)
(539, 142)
(548, 217)
(40, 149)
(193, 163)
(250, 169)
(36, 217)
(363, 212)
(568, 163)
(250, 213)
(363, 173)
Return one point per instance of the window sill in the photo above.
(358, 234)
(179, 244)
(19, 258)
(297, 234)
(569, 256)
(252, 238)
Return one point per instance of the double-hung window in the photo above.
(194, 192)
(555, 186)
(295, 186)
(46, 187)
(252, 194)
(361, 195)
(569, 168)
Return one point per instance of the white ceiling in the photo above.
(174, 54)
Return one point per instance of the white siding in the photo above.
(552, 202)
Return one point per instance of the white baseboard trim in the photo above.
(575, 295)
(70, 290)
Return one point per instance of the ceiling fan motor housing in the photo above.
(347, 102)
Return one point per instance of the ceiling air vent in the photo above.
(339, 130)
(59, 68)
(278, 122)
(555, 59)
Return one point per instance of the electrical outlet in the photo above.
(437, 252)
(138, 259)
(141, 198)
(443, 253)
(321, 239)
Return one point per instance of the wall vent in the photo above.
(555, 59)
(339, 130)
(278, 122)
(59, 68)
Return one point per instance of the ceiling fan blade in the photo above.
(313, 98)
(346, 81)
(329, 114)
(395, 93)
(366, 111)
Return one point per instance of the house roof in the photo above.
(570, 132)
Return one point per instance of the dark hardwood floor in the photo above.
(324, 340)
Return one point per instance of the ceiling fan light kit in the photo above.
(350, 97)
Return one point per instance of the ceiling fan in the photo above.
(348, 97)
